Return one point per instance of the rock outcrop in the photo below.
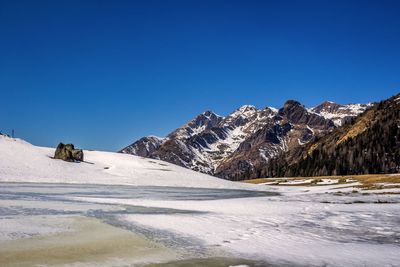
(68, 153)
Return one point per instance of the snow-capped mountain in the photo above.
(339, 114)
(231, 146)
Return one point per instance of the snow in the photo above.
(158, 139)
(14, 228)
(197, 130)
(232, 141)
(275, 110)
(342, 112)
(300, 142)
(328, 181)
(23, 162)
(246, 110)
(272, 151)
(296, 182)
(308, 181)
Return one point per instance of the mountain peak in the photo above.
(274, 110)
(326, 105)
(241, 113)
(144, 147)
(200, 123)
(246, 108)
(290, 103)
(209, 113)
(292, 106)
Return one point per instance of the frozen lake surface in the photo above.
(287, 226)
(20, 191)
(29, 210)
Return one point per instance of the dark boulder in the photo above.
(68, 153)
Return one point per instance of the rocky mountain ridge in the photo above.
(233, 146)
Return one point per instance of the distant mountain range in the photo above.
(239, 145)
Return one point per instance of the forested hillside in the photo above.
(367, 144)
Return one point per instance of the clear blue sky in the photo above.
(101, 74)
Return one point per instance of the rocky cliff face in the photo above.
(235, 145)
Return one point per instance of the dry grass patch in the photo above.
(270, 180)
(259, 181)
(359, 127)
(367, 181)
(377, 181)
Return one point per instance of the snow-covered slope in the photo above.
(23, 162)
